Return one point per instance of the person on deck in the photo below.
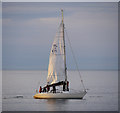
(54, 89)
(67, 85)
(40, 90)
(48, 88)
(64, 86)
(44, 89)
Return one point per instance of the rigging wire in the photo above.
(74, 59)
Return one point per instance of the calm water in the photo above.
(102, 92)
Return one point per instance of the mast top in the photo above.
(62, 15)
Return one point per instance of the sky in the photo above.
(28, 30)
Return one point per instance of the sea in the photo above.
(19, 87)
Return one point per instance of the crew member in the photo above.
(63, 86)
(48, 88)
(40, 90)
(44, 89)
(54, 89)
(67, 85)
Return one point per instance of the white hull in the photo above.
(78, 95)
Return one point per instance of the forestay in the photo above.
(56, 68)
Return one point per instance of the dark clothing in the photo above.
(64, 86)
(40, 90)
(67, 86)
(48, 88)
(44, 89)
(54, 89)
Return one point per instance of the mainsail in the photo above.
(57, 66)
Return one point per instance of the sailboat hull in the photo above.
(78, 95)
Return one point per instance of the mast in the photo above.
(64, 49)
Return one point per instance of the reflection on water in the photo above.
(57, 101)
(56, 104)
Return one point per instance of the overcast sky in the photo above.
(29, 30)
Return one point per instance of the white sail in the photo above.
(56, 68)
